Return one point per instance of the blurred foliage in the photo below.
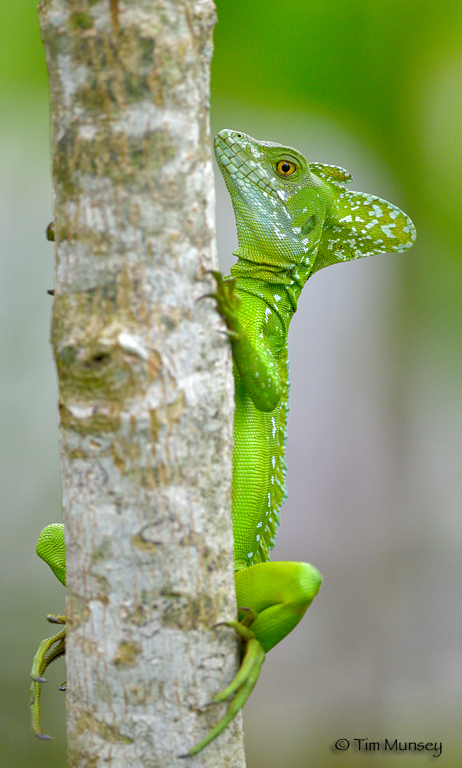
(22, 59)
(360, 60)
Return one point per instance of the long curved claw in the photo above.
(49, 650)
(242, 684)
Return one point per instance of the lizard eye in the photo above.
(285, 168)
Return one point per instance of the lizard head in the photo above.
(290, 212)
(279, 204)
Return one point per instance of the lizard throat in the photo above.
(288, 281)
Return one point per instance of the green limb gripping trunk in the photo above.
(49, 650)
(293, 218)
(51, 548)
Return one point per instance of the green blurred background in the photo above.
(374, 452)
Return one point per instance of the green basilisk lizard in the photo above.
(293, 218)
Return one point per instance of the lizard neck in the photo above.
(287, 280)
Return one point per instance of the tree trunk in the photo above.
(145, 382)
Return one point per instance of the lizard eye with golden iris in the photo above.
(285, 168)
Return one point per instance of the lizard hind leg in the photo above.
(275, 596)
(278, 594)
(49, 650)
(240, 687)
(52, 549)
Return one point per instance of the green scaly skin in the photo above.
(293, 218)
(52, 549)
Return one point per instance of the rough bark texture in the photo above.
(145, 382)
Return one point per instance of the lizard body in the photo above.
(293, 218)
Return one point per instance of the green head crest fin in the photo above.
(331, 173)
(360, 225)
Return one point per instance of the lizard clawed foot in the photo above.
(49, 650)
(228, 303)
(243, 683)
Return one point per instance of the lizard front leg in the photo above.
(255, 362)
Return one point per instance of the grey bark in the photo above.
(145, 383)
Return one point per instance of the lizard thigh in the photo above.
(278, 594)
